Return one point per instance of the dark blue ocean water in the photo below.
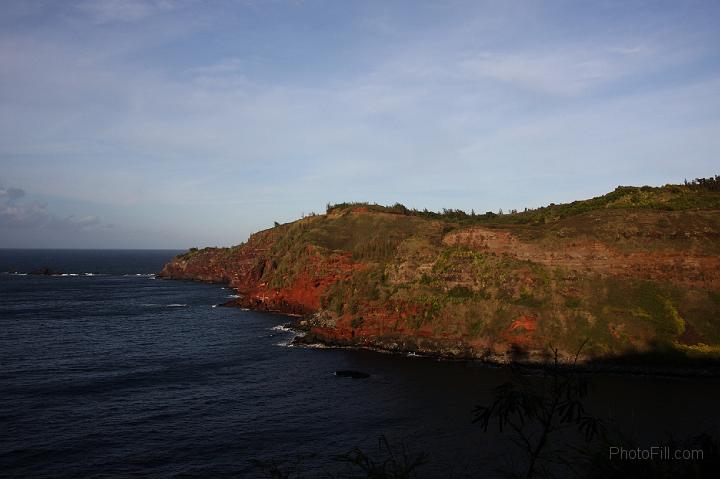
(120, 374)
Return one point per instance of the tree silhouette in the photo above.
(535, 413)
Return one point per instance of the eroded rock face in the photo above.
(302, 296)
(250, 270)
(239, 266)
(395, 283)
(688, 268)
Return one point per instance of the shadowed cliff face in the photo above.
(627, 279)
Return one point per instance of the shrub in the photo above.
(460, 292)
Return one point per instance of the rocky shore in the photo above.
(633, 277)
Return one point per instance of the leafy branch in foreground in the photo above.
(391, 465)
(281, 470)
(387, 463)
(536, 411)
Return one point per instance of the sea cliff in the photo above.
(633, 272)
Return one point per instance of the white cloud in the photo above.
(109, 11)
(150, 115)
(563, 72)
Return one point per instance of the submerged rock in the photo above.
(45, 271)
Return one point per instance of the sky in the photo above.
(174, 124)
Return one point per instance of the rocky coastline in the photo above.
(629, 287)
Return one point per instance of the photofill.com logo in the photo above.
(655, 453)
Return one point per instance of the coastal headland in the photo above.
(634, 273)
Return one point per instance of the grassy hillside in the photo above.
(701, 193)
(635, 270)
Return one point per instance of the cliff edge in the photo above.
(631, 272)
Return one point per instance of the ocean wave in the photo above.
(233, 296)
(282, 327)
(87, 274)
(171, 305)
(60, 275)
(288, 342)
(321, 346)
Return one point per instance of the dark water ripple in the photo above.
(125, 376)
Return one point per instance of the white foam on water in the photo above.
(158, 305)
(281, 327)
(287, 343)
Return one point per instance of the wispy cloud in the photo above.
(575, 70)
(109, 11)
(34, 215)
(555, 73)
(160, 107)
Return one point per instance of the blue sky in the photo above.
(150, 124)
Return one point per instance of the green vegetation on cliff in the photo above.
(701, 193)
(632, 271)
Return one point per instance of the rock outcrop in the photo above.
(617, 277)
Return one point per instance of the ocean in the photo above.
(106, 371)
